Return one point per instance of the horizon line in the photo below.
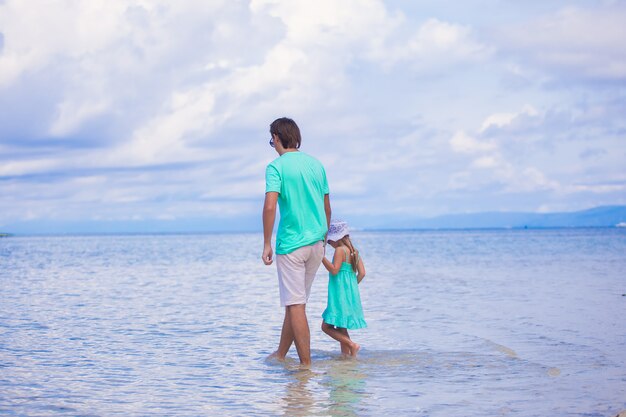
(358, 230)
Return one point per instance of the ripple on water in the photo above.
(469, 323)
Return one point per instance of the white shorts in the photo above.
(296, 272)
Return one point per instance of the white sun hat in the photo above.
(337, 230)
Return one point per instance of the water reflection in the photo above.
(298, 399)
(334, 387)
(346, 383)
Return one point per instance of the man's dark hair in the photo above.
(287, 131)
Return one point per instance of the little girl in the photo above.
(343, 310)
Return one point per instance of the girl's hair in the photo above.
(354, 260)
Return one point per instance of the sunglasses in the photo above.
(272, 143)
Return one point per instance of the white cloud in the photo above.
(435, 45)
(119, 53)
(596, 188)
(72, 114)
(574, 42)
(161, 108)
(161, 140)
(485, 162)
(109, 55)
(443, 42)
(326, 23)
(35, 36)
(505, 119)
(464, 143)
(529, 179)
(29, 166)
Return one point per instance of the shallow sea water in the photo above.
(472, 323)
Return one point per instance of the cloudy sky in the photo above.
(116, 113)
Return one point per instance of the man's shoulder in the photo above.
(275, 163)
(310, 158)
(295, 160)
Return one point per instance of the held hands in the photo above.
(268, 255)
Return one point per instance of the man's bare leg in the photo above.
(286, 337)
(300, 331)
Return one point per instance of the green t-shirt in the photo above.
(301, 183)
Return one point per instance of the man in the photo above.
(297, 182)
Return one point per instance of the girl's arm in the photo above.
(334, 267)
(360, 269)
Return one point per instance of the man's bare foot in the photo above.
(354, 349)
(275, 356)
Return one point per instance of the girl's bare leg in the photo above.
(341, 337)
(355, 349)
(345, 348)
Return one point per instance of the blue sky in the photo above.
(156, 113)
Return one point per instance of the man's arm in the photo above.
(269, 217)
(328, 213)
(327, 209)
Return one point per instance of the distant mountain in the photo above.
(606, 216)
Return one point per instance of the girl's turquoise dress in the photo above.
(344, 302)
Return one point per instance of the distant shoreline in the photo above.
(355, 230)
(601, 216)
